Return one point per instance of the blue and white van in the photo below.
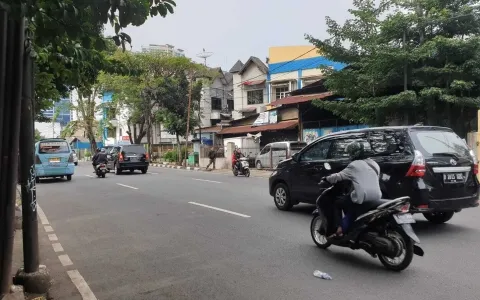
(53, 158)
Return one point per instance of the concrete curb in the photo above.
(176, 167)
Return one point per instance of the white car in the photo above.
(75, 158)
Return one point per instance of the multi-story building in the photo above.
(62, 109)
(166, 49)
(293, 67)
(249, 87)
(217, 99)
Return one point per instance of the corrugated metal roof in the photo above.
(300, 99)
(210, 129)
(270, 127)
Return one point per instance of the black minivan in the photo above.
(128, 157)
(432, 165)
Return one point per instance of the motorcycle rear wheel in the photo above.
(318, 229)
(235, 172)
(398, 264)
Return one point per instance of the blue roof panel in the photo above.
(303, 64)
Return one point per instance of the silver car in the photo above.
(274, 153)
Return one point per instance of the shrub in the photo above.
(172, 155)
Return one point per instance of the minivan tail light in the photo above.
(70, 158)
(120, 157)
(417, 169)
(475, 162)
(37, 160)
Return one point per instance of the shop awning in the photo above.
(270, 127)
(253, 82)
(300, 99)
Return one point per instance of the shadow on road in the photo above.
(52, 180)
(425, 228)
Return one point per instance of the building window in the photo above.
(281, 92)
(216, 103)
(255, 97)
(230, 104)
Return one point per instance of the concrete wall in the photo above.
(286, 53)
(220, 163)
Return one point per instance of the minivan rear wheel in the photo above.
(439, 217)
(281, 197)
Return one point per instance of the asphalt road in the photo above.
(137, 236)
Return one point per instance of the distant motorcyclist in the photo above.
(237, 154)
(94, 158)
(101, 158)
(364, 174)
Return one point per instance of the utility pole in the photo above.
(27, 170)
(188, 116)
(12, 38)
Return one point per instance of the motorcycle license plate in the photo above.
(404, 218)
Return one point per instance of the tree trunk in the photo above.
(179, 161)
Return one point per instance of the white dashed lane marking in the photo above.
(127, 186)
(220, 209)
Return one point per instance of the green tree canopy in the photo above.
(139, 96)
(69, 42)
(407, 62)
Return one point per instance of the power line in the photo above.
(284, 64)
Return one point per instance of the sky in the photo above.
(237, 29)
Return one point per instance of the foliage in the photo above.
(172, 155)
(138, 96)
(38, 135)
(440, 60)
(68, 39)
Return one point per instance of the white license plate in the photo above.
(453, 178)
(404, 218)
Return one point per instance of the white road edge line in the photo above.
(212, 181)
(42, 216)
(89, 176)
(52, 237)
(220, 209)
(74, 275)
(127, 186)
(152, 173)
(65, 260)
(48, 228)
(81, 285)
(57, 247)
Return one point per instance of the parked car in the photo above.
(75, 158)
(128, 157)
(274, 153)
(53, 158)
(431, 165)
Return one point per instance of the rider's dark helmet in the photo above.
(355, 150)
(98, 150)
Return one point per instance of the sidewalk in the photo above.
(61, 285)
(253, 172)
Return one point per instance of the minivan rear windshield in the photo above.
(133, 149)
(433, 142)
(53, 147)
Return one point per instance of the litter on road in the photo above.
(322, 275)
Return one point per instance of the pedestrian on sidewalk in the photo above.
(212, 154)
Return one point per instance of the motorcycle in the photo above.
(244, 167)
(101, 170)
(383, 229)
